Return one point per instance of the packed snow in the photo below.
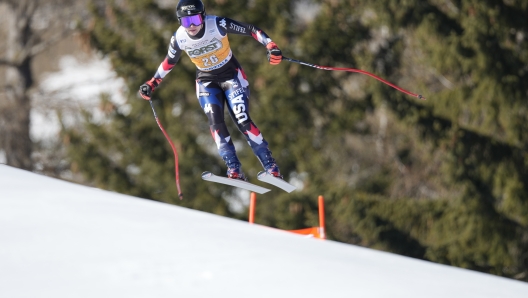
(59, 239)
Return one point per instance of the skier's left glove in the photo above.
(274, 53)
(146, 89)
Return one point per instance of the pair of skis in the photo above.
(262, 176)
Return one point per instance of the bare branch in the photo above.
(4, 89)
(4, 62)
(40, 47)
(10, 3)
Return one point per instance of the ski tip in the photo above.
(261, 174)
(206, 175)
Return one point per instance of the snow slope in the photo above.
(59, 239)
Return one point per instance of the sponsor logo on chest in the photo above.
(212, 46)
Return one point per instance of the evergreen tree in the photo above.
(464, 142)
(443, 179)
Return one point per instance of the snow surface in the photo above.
(59, 239)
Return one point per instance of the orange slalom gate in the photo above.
(253, 202)
(316, 232)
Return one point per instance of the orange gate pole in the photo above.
(252, 203)
(321, 218)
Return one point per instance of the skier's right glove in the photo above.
(146, 89)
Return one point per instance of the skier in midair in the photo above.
(219, 79)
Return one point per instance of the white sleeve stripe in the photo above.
(162, 72)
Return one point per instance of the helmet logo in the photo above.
(188, 7)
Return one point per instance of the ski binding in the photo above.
(208, 176)
(265, 177)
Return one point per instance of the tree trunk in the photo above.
(15, 117)
(15, 108)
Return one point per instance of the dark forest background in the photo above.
(444, 180)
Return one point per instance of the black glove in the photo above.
(146, 89)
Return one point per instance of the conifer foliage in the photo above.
(444, 180)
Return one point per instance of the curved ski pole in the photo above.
(180, 194)
(357, 71)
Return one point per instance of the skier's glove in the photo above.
(274, 53)
(146, 89)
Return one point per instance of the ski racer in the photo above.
(220, 80)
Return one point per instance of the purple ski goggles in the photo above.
(195, 20)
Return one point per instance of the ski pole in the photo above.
(173, 150)
(357, 71)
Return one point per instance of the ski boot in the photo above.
(236, 173)
(268, 162)
(234, 170)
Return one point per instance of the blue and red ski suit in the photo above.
(221, 82)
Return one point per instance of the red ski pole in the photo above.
(357, 71)
(180, 194)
